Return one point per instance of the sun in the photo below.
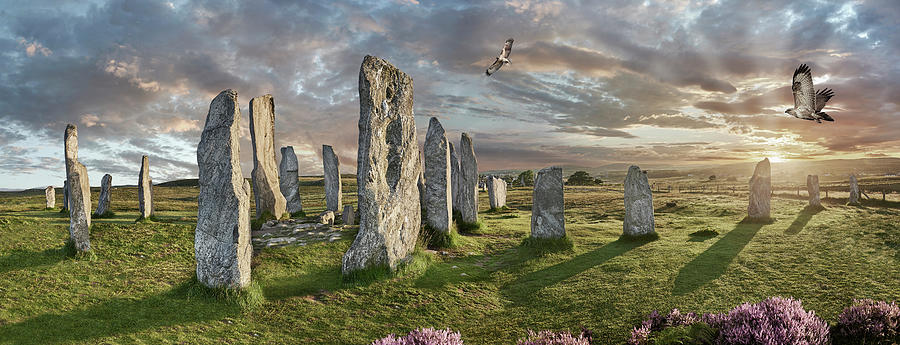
(774, 157)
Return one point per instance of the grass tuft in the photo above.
(704, 233)
(298, 214)
(256, 224)
(107, 214)
(152, 219)
(418, 262)
(640, 238)
(548, 245)
(248, 298)
(432, 238)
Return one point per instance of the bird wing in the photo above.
(804, 94)
(823, 96)
(494, 66)
(507, 48)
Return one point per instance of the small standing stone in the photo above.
(760, 191)
(103, 202)
(547, 210)
(854, 191)
(332, 168)
(468, 181)
(496, 192)
(288, 179)
(50, 194)
(454, 176)
(266, 188)
(438, 205)
(145, 189)
(65, 206)
(812, 187)
(79, 193)
(348, 216)
(638, 204)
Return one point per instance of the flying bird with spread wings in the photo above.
(502, 59)
(808, 104)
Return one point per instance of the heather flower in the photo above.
(867, 320)
(423, 336)
(640, 335)
(553, 338)
(773, 321)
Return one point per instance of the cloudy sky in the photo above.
(674, 83)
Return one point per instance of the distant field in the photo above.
(136, 287)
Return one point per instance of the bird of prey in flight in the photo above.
(808, 103)
(502, 59)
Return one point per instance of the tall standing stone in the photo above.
(66, 192)
(854, 191)
(812, 187)
(547, 210)
(222, 238)
(420, 183)
(145, 189)
(760, 191)
(468, 181)
(103, 202)
(454, 176)
(638, 204)
(79, 193)
(388, 168)
(496, 192)
(50, 194)
(265, 171)
(287, 179)
(332, 169)
(438, 202)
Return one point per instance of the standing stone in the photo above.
(145, 189)
(65, 206)
(222, 238)
(79, 193)
(812, 187)
(638, 204)
(265, 171)
(760, 191)
(420, 183)
(496, 192)
(287, 179)
(468, 181)
(854, 191)
(547, 210)
(332, 167)
(454, 177)
(103, 203)
(348, 216)
(388, 168)
(438, 202)
(50, 194)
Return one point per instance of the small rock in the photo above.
(454, 266)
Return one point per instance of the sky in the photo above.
(669, 83)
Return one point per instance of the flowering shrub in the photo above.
(773, 321)
(869, 322)
(554, 338)
(424, 336)
(656, 323)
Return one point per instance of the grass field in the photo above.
(137, 286)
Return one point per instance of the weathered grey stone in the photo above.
(348, 216)
(420, 183)
(332, 168)
(760, 191)
(547, 210)
(468, 181)
(66, 193)
(103, 202)
(79, 193)
(854, 191)
(388, 168)
(454, 176)
(50, 194)
(288, 179)
(265, 171)
(638, 204)
(812, 187)
(145, 189)
(496, 192)
(222, 238)
(438, 202)
(327, 217)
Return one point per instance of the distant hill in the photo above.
(191, 182)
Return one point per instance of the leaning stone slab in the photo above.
(812, 187)
(103, 202)
(145, 189)
(468, 181)
(760, 191)
(547, 210)
(50, 194)
(79, 193)
(348, 216)
(496, 192)
(222, 238)
(388, 169)
(438, 202)
(332, 169)
(638, 204)
(287, 179)
(854, 191)
(266, 188)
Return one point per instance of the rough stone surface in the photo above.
(50, 194)
(79, 193)
(327, 217)
(496, 192)
(348, 216)
(291, 232)
(145, 189)
(288, 179)
(638, 204)
(266, 190)
(222, 238)
(468, 181)
(420, 183)
(547, 210)
(760, 191)
(103, 202)
(812, 187)
(438, 202)
(854, 191)
(388, 168)
(332, 168)
(454, 176)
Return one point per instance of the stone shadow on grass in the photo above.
(24, 259)
(712, 263)
(802, 219)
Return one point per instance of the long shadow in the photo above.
(802, 219)
(523, 288)
(327, 278)
(712, 263)
(24, 259)
(117, 316)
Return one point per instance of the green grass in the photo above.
(137, 284)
